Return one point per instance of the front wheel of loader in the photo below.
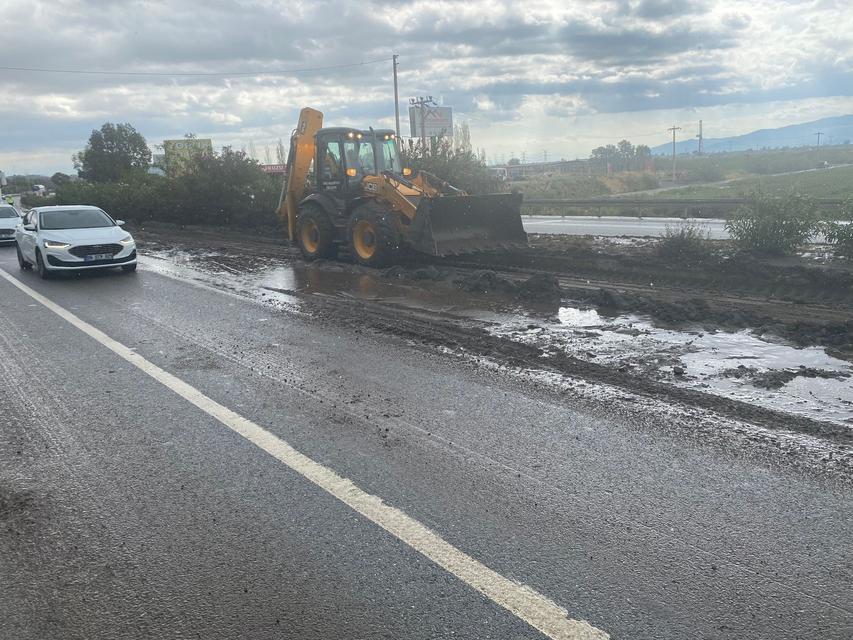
(315, 233)
(373, 237)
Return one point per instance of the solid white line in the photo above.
(527, 604)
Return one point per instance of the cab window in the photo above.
(332, 162)
(359, 156)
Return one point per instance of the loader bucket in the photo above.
(450, 225)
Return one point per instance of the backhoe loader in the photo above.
(348, 187)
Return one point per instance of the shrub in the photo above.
(457, 164)
(684, 242)
(224, 189)
(773, 225)
(30, 200)
(840, 232)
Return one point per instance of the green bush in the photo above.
(453, 163)
(840, 232)
(30, 200)
(684, 243)
(775, 225)
(226, 189)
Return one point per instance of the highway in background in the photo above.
(620, 225)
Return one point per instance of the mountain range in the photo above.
(837, 130)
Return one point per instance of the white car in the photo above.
(9, 219)
(72, 238)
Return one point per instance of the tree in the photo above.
(514, 161)
(113, 152)
(461, 167)
(626, 154)
(59, 178)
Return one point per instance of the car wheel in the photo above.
(42, 269)
(129, 268)
(26, 266)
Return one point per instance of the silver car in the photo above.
(73, 238)
(9, 219)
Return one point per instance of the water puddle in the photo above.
(761, 370)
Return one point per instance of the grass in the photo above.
(822, 183)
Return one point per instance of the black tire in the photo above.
(129, 268)
(315, 233)
(26, 266)
(373, 237)
(42, 269)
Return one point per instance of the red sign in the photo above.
(274, 168)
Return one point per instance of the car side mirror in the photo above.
(120, 223)
(29, 227)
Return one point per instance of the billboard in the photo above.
(437, 121)
(178, 151)
(273, 168)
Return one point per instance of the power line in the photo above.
(275, 72)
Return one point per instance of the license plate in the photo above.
(98, 256)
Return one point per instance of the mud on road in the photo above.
(769, 342)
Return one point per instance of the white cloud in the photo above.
(511, 69)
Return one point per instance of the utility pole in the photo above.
(700, 137)
(818, 134)
(545, 155)
(673, 129)
(396, 97)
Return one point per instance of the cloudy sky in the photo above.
(529, 76)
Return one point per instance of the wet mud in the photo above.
(778, 362)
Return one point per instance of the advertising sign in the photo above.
(178, 151)
(437, 121)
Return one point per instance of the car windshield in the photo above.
(8, 212)
(75, 219)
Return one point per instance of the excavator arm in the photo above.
(302, 151)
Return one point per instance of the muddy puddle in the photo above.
(276, 279)
(759, 369)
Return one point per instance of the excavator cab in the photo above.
(363, 197)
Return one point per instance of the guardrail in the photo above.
(616, 201)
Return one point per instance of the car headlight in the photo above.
(52, 244)
(127, 240)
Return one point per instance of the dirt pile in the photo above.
(537, 288)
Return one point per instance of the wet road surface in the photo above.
(127, 511)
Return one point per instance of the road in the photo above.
(173, 460)
(620, 225)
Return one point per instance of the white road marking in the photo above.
(524, 602)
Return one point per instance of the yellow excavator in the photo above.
(349, 187)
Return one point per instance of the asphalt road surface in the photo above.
(148, 489)
(620, 225)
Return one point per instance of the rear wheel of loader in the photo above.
(373, 237)
(315, 233)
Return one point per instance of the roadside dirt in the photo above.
(766, 341)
